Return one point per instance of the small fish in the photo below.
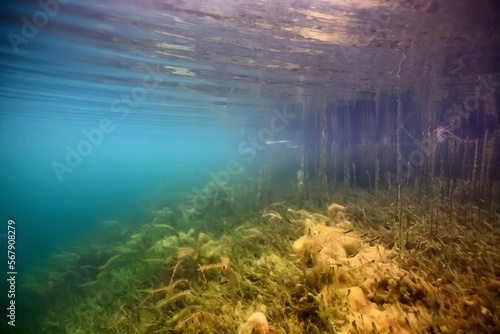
(271, 142)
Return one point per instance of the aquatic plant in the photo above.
(201, 321)
(292, 270)
(256, 323)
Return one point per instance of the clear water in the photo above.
(96, 67)
(114, 110)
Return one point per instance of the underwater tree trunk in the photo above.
(399, 128)
(429, 144)
(323, 153)
(347, 145)
(334, 148)
(377, 161)
(301, 171)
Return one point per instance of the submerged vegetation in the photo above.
(350, 268)
(360, 191)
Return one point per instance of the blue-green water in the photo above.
(96, 124)
(167, 166)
